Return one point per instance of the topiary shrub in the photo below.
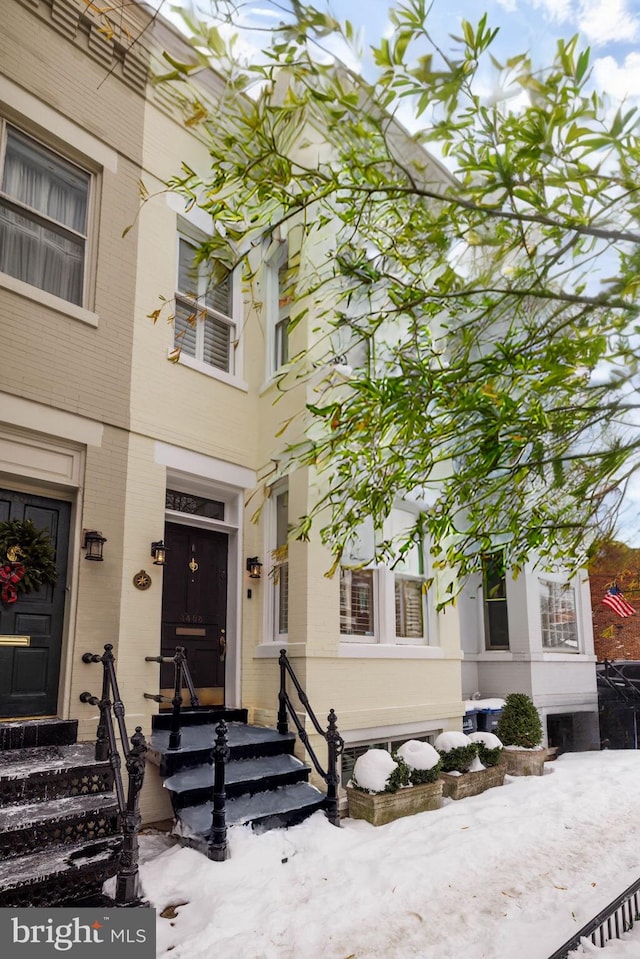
(489, 748)
(423, 761)
(519, 724)
(377, 771)
(457, 752)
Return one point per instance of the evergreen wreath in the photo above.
(27, 559)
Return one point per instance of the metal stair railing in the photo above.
(614, 920)
(619, 683)
(110, 704)
(335, 742)
(181, 678)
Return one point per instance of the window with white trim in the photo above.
(279, 298)
(494, 601)
(558, 616)
(381, 604)
(280, 564)
(44, 214)
(204, 328)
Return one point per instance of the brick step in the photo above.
(197, 742)
(199, 715)
(26, 828)
(193, 786)
(46, 772)
(275, 808)
(61, 874)
(26, 733)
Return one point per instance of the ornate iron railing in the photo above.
(109, 705)
(181, 678)
(335, 742)
(614, 920)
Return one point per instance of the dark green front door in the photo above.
(30, 672)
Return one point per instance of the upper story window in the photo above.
(279, 298)
(558, 616)
(494, 600)
(204, 328)
(44, 204)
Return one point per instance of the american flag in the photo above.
(614, 599)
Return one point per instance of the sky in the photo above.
(514, 872)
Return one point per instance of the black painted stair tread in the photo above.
(19, 816)
(55, 861)
(249, 771)
(288, 802)
(239, 735)
(42, 760)
(25, 733)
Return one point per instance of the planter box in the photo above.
(472, 784)
(524, 762)
(381, 808)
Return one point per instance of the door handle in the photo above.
(222, 642)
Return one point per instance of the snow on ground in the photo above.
(514, 872)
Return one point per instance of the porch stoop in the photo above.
(59, 823)
(266, 785)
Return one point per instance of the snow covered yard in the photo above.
(509, 874)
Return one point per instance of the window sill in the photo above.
(350, 650)
(215, 374)
(68, 309)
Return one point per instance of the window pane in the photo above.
(494, 594)
(196, 505)
(356, 602)
(282, 585)
(217, 343)
(409, 608)
(187, 273)
(44, 182)
(558, 616)
(219, 297)
(185, 332)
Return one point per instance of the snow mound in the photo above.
(476, 766)
(418, 755)
(487, 739)
(372, 770)
(453, 740)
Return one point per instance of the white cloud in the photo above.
(620, 81)
(604, 21)
(559, 11)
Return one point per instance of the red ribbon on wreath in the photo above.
(10, 575)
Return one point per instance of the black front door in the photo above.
(194, 607)
(31, 627)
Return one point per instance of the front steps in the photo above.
(58, 816)
(266, 785)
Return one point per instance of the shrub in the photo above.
(457, 752)
(423, 761)
(519, 723)
(377, 771)
(489, 748)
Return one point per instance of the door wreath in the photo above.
(27, 559)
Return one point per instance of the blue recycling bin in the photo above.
(470, 722)
(488, 720)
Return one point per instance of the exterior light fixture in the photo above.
(93, 542)
(254, 567)
(159, 553)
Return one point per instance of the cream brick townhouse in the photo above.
(101, 432)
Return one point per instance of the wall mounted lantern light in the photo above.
(254, 567)
(159, 553)
(93, 542)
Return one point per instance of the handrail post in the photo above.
(102, 734)
(335, 745)
(127, 881)
(175, 736)
(218, 849)
(283, 723)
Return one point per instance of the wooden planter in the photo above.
(524, 762)
(472, 784)
(381, 808)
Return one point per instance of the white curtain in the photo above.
(30, 249)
